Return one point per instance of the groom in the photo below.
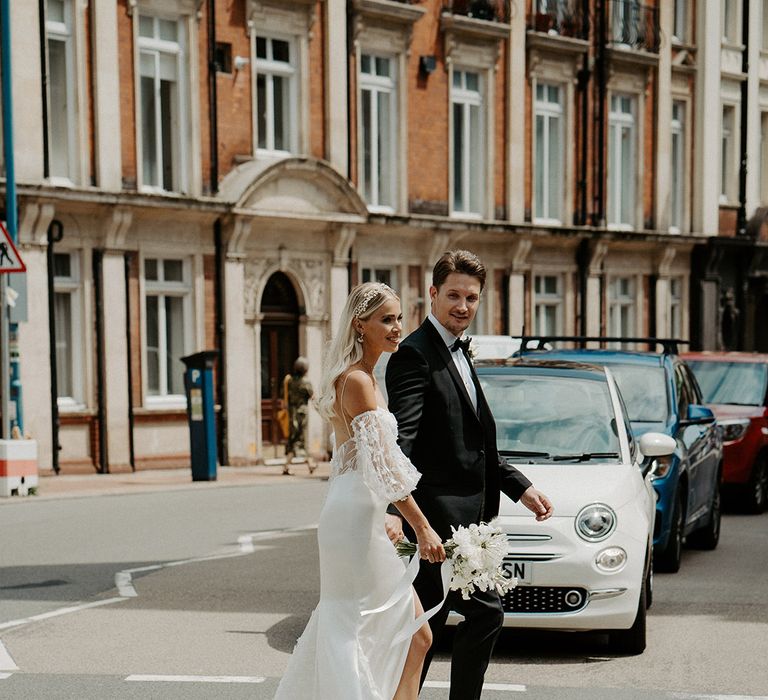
(446, 428)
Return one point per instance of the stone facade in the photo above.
(224, 171)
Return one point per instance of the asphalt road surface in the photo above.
(202, 594)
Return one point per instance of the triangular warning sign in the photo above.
(10, 260)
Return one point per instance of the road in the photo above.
(202, 594)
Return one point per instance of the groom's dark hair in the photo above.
(461, 261)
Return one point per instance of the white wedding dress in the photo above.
(346, 651)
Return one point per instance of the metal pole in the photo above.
(10, 207)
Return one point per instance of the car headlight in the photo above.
(595, 522)
(733, 430)
(660, 466)
(611, 559)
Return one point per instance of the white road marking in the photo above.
(3, 676)
(124, 584)
(195, 679)
(6, 662)
(509, 687)
(704, 696)
(59, 611)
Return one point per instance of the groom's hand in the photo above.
(535, 501)
(394, 527)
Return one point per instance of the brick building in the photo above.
(202, 174)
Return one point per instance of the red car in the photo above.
(735, 385)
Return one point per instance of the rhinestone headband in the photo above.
(374, 291)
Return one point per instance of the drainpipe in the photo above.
(101, 410)
(583, 77)
(582, 260)
(741, 216)
(221, 343)
(598, 214)
(44, 82)
(218, 282)
(213, 113)
(127, 267)
(55, 446)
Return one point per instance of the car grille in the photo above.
(544, 599)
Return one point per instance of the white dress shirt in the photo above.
(459, 359)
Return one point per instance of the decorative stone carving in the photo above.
(314, 275)
(253, 284)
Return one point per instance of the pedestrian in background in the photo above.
(298, 390)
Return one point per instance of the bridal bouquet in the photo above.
(476, 554)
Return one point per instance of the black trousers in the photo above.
(474, 638)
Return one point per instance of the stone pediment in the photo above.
(301, 187)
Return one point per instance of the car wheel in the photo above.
(757, 487)
(632, 641)
(708, 536)
(668, 559)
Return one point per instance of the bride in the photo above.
(353, 647)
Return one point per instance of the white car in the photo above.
(589, 567)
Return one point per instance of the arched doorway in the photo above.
(279, 348)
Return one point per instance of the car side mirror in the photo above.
(653, 445)
(698, 415)
(657, 445)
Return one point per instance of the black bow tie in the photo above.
(461, 344)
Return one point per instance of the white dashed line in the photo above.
(195, 679)
(6, 662)
(486, 686)
(59, 611)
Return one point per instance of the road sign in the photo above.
(10, 260)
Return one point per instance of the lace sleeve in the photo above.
(386, 470)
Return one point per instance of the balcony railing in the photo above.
(633, 25)
(560, 17)
(489, 10)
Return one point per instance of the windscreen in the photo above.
(644, 390)
(741, 383)
(552, 417)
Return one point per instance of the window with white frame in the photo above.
(727, 154)
(680, 21)
(163, 114)
(622, 156)
(62, 149)
(276, 77)
(386, 275)
(549, 149)
(467, 142)
(676, 307)
(68, 322)
(378, 129)
(677, 193)
(548, 304)
(621, 306)
(167, 314)
(763, 158)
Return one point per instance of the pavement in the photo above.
(53, 486)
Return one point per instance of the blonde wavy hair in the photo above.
(344, 350)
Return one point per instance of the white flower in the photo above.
(476, 553)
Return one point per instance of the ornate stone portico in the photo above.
(296, 217)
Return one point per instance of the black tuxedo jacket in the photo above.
(451, 444)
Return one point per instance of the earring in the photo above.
(360, 338)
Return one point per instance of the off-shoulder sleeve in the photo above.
(386, 470)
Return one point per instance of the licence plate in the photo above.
(521, 570)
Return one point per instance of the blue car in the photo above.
(662, 395)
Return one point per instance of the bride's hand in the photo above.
(394, 527)
(430, 545)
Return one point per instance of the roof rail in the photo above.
(669, 345)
